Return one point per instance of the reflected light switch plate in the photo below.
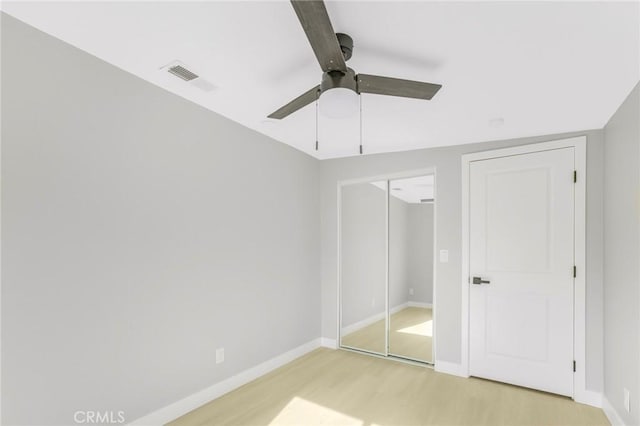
(444, 256)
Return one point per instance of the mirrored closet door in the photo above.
(411, 268)
(363, 248)
(386, 267)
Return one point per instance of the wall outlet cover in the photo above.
(219, 355)
(444, 256)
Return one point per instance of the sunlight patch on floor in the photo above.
(421, 329)
(299, 410)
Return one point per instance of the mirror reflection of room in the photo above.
(411, 241)
(387, 240)
(363, 266)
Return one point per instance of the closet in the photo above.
(386, 246)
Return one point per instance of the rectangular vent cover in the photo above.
(182, 72)
(426, 200)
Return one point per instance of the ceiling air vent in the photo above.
(182, 72)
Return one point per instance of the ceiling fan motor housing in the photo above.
(338, 79)
(346, 45)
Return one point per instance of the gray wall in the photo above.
(363, 218)
(448, 228)
(420, 256)
(140, 233)
(622, 257)
(398, 252)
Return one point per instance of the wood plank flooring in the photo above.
(337, 387)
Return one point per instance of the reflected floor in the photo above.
(411, 331)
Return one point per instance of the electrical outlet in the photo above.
(411, 292)
(627, 402)
(373, 302)
(219, 355)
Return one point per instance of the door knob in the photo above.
(478, 280)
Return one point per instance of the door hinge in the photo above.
(575, 176)
(574, 365)
(575, 271)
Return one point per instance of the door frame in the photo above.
(388, 177)
(580, 393)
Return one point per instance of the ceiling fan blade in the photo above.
(315, 21)
(303, 100)
(396, 87)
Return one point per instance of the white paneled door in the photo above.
(521, 258)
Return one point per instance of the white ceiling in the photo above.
(410, 190)
(541, 67)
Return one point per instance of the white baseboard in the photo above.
(370, 320)
(362, 324)
(191, 402)
(449, 368)
(595, 399)
(328, 343)
(589, 397)
(611, 413)
(398, 308)
(420, 305)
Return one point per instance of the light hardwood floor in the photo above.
(337, 387)
(410, 335)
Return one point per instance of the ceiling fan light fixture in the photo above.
(339, 102)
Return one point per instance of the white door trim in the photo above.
(580, 393)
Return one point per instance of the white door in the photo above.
(521, 211)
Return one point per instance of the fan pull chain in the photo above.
(317, 92)
(360, 123)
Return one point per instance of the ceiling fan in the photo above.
(332, 51)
